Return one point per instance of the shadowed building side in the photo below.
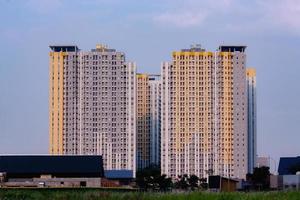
(155, 118)
(252, 133)
(143, 121)
(148, 120)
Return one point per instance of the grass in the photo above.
(100, 194)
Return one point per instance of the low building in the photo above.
(263, 161)
(274, 182)
(222, 184)
(2, 177)
(51, 171)
(289, 173)
(291, 182)
(117, 178)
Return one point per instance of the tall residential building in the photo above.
(155, 118)
(252, 135)
(148, 120)
(143, 121)
(92, 111)
(204, 113)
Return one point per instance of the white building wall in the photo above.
(204, 154)
(240, 116)
(99, 107)
(165, 125)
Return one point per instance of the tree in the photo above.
(203, 183)
(164, 183)
(150, 178)
(182, 183)
(260, 179)
(193, 181)
(145, 178)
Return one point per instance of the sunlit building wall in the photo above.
(92, 110)
(204, 113)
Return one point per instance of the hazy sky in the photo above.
(148, 31)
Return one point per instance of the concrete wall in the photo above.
(54, 182)
(291, 182)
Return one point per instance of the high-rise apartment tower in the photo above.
(204, 113)
(92, 111)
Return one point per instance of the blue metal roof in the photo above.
(286, 164)
(118, 174)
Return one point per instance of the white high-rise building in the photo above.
(204, 113)
(92, 110)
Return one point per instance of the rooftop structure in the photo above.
(64, 48)
(231, 48)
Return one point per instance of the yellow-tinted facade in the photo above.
(226, 114)
(251, 72)
(204, 122)
(143, 121)
(92, 105)
(56, 102)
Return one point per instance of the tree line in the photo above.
(150, 179)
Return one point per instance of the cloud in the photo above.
(183, 19)
(44, 6)
(283, 14)
(190, 13)
(233, 15)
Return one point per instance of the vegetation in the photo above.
(151, 179)
(190, 183)
(260, 179)
(98, 194)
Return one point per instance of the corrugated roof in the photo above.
(59, 166)
(287, 164)
(118, 174)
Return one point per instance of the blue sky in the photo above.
(148, 31)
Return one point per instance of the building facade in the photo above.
(148, 120)
(204, 113)
(155, 118)
(51, 171)
(143, 121)
(252, 135)
(92, 111)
